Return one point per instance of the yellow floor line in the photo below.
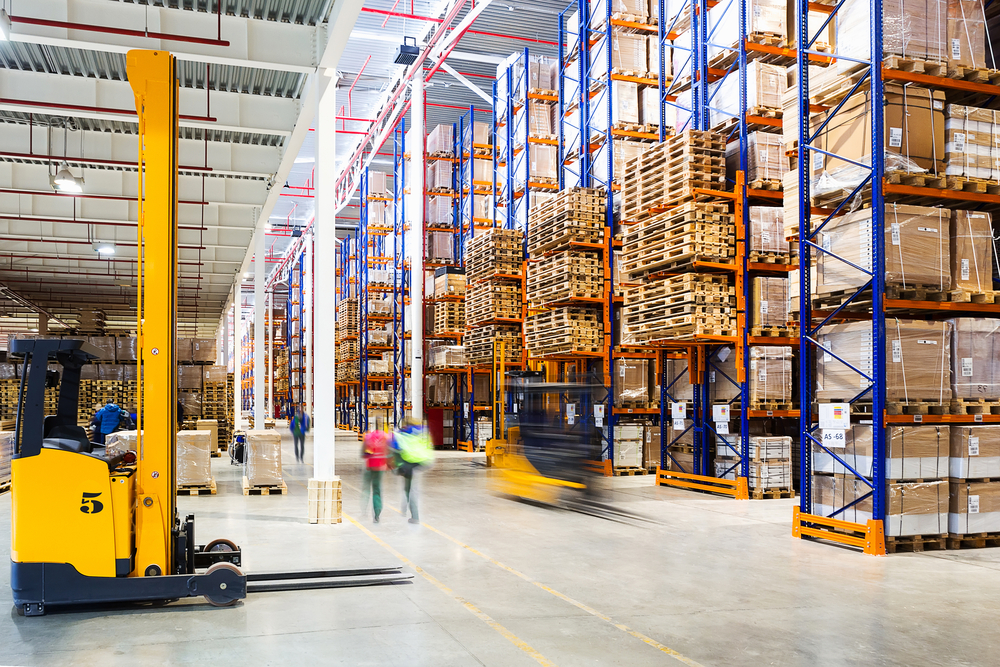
(579, 605)
(476, 611)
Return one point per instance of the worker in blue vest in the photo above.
(107, 420)
(412, 451)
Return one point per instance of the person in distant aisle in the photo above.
(375, 452)
(412, 451)
(300, 426)
(107, 420)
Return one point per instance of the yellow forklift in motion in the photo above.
(92, 526)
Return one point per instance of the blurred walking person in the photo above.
(412, 450)
(375, 452)
(300, 426)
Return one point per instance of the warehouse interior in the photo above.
(668, 329)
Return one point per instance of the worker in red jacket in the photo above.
(375, 452)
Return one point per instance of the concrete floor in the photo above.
(499, 582)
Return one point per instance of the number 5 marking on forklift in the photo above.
(89, 505)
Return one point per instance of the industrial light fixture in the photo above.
(105, 248)
(64, 181)
(407, 53)
(4, 26)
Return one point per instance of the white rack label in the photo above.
(894, 227)
(763, 307)
(817, 162)
(966, 367)
(722, 428)
(678, 410)
(973, 445)
(897, 351)
(599, 422)
(895, 137)
(965, 269)
(827, 242)
(678, 425)
(973, 504)
(711, 376)
(833, 437)
(720, 413)
(956, 48)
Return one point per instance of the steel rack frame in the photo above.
(401, 273)
(295, 312)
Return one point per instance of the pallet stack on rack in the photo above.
(493, 305)
(347, 333)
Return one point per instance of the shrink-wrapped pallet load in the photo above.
(913, 508)
(974, 507)
(917, 361)
(975, 359)
(917, 254)
(910, 29)
(767, 231)
(972, 250)
(975, 451)
(770, 302)
(263, 458)
(125, 349)
(6, 454)
(194, 458)
(966, 35)
(764, 17)
(203, 350)
(912, 452)
(629, 445)
(441, 141)
(212, 426)
(770, 375)
(631, 383)
(651, 457)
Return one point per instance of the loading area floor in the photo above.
(711, 581)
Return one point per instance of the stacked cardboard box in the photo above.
(771, 378)
(911, 453)
(770, 305)
(913, 508)
(632, 384)
(194, 462)
(263, 459)
(441, 141)
(629, 445)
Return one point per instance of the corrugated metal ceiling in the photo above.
(304, 12)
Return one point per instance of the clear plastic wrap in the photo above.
(482, 133)
(449, 283)
(543, 73)
(972, 251)
(190, 403)
(439, 173)
(111, 372)
(770, 301)
(974, 507)
(446, 356)
(972, 138)
(914, 508)
(910, 28)
(917, 242)
(194, 458)
(625, 95)
(120, 442)
(438, 210)
(379, 397)
(9, 371)
(628, 52)
(770, 375)
(629, 445)
(974, 452)
(721, 377)
(263, 458)
(539, 118)
(767, 230)
(440, 247)
(917, 360)
(975, 358)
(631, 383)
(543, 160)
(105, 346)
(441, 141)
(763, 17)
(912, 452)
(125, 348)
(379, 367)
(440, 389)
(766, 159)
(482, 171)
(651, 457)
(211, 425)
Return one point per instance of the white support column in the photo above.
(259, 276)
(238, 354)
(415, 244)
(323, 298)
(306, 325)
(269, 353)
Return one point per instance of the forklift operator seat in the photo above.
(58, 434)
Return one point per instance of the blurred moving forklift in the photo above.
(543, 453)
(90, 525)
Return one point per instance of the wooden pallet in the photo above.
(975, 74)
(770, 257)
(771, 406)
(249, 490)
(772, 493)
(969, 296)
(915, 65)
(775, 332)
(198, 490)
(627, 471)
(915, 543)
(975, 406)
(5, 486)
(895, 407)
(973, 540)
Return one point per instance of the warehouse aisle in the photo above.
(499, 582)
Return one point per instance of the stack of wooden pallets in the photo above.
(494, 282)
(672, 172)
(677, 238)
(479, 343)
(567, 244)
(496, 252)
(683, 307)
(449, 317)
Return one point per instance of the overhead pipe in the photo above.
(81, 258)
(56, 271)
(90, 243)
(90, 109)
(42, 283)
(108, 30)
(416, 17)
(84, 195)
(131, 164)
(82, 221)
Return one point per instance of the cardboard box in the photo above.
(441, 141)
(763, 17)
(211, 425)
(917, 242)
(974, 452)
(543, 161)
(194, 458)
(189, 377)
(183, 351)
(649, 105)
(543, 73)
(439, 210)
(439, 247)
(651, 449)
(599, 10)
(917, 360)
(629, 445)
(721, 376)
(912, 452)
(449, 281)
(628, 52)
(974, 507)
(966, 33)
(263, 462)
(539, 118)
(972, 142)
(625, 95)
(975, 358)
(972, 251)
(482, 133)
(439, 173)
(771, 374)
(914, 508)
(914, 131)
(126, 348)
(911, 28)
(770, 302)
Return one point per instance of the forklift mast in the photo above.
(153, 77)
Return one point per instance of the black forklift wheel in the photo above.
(221, 545)
(221, 598)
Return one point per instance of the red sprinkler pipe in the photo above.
(80, 258)
(417, 17)
(87, 27)
(75, 221)
(86, 160)
(90, 109)
(81, 195)
(350, 109)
